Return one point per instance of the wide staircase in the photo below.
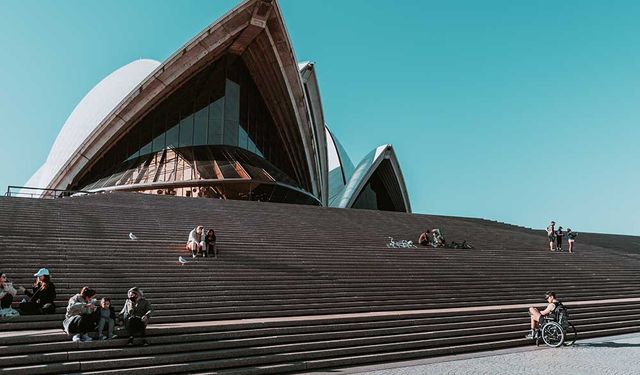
(295, 288)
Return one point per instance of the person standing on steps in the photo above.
(41, 297)
(571, 238)
(559, 236)
(196, 240)
(136, 313)
(551, 234)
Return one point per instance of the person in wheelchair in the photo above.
(550, 312)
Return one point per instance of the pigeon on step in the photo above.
(132, 236)
(182, 261)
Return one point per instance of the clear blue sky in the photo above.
(518, 111)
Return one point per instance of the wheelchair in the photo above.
(556, 332)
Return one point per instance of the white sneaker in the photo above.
(193, 255)
(86, 338)
(76, 338)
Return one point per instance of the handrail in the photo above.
(42, 193)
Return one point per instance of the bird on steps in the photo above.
(182, 261)
(132, 236)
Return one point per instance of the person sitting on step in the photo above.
(210, 244)
(438, 238)
(136, 313)
(107, 315)
(423, 240)
(537, 314)
(41, 297)
(7, 293)
(195, 241)
(81, 317)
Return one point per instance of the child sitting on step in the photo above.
(107, 316)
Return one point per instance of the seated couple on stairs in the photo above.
(38, 300)
(84, 315)
(199, 242)
(435, 238)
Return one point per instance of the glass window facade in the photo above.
(214, 127)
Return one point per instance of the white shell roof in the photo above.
(89, 113)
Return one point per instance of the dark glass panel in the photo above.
(133, 144)
(243, 138)
(204, 163)
(216, 111)
(186, 131)
(146, 138)
(200, 126)
(228, 169)
(172, 136)
(382, 191)
(159, 128)
(231, 112)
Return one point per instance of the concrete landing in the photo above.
(619, 355)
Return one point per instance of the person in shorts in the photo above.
(536, 314)
(551, 234)
(196, 240)
(571, 238)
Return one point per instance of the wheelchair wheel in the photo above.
(570, 335)
(553, 334)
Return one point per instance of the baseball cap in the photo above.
(41, 272)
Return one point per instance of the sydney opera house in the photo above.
(230, 115)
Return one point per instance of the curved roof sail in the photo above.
(376, 183)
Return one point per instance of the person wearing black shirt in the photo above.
(210, 244)
(41, 297)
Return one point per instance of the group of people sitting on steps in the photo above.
(86, 314)
(556, 236)
(435, 238)
(203, 243)
(38, 300)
